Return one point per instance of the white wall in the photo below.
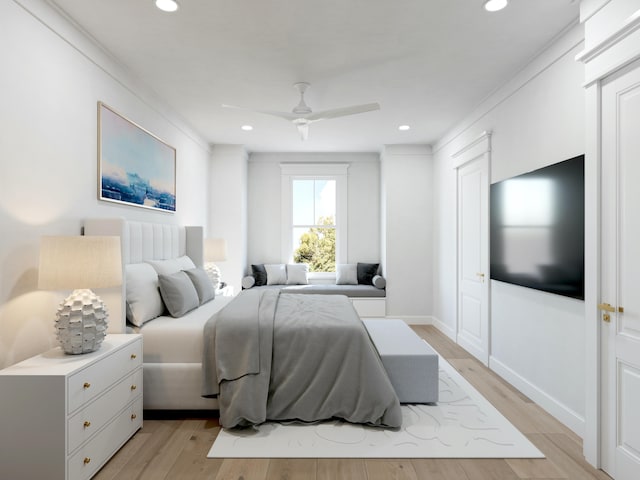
(264, 199)
(228, 209)
(537, 339)
(52, 78)
(407, 186)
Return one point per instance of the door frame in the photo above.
(478, 149)
(602, 58)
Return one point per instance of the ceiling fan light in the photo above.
(246, 128)
(167, 5)
(404, 128)
(495, 5)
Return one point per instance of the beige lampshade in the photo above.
(215, 249)
(75, 262)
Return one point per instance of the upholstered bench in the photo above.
(412, 365)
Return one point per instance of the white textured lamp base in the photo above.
(81, 322)
(214, 274)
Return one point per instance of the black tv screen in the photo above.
(537, 229)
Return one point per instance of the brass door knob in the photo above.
(87, 424)
(87, 460)
(86, 385)
(133, 387)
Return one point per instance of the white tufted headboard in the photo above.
(142, 241)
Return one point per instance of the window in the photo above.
(314, 223)
(314, 198)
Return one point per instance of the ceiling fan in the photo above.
(302, 115)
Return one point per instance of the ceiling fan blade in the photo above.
(273, 113)
(342, 112)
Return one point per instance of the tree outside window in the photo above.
(314, 223)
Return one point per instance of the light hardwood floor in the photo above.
(176, 449)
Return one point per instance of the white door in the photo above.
(473, 257)
(620, 283)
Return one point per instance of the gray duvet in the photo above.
(277, 356)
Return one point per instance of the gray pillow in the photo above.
(171, 265)
(178, 293)
(260, 274)
(366, 272)
(379, 282)
(203, 284)
(346, 274)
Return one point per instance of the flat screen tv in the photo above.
(537, 229)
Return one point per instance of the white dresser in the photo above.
(63, 416)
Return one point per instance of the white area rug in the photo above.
(462, 425)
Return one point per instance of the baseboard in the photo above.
(444, 328)
(551, 405)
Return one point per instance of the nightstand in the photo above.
(64, 416)
(226, 291)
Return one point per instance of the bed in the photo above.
(336, 367)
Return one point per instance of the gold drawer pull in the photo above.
(133, 387)
(133, 416)
(133, 356)
(86, 385)
(87, 424)
(87, 460)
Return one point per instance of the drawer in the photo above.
(94, 454)
(90, 419)
(90, 382)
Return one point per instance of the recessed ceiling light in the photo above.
(246, 128)
(404, 128)
(167, 5)
(495, 5)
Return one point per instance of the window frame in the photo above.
(314, 171)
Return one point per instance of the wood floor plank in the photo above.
(162, 431)
(573, 469)
(530, 468)
(192, 463)
(381, 469)
(112, 470)
(488, 469)
(170, 451)
(440, 342)
(439, 469)
(292, 469)
(243, 469)
(341, 469)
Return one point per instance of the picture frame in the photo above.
(135, 167)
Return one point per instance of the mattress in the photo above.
(178, 340)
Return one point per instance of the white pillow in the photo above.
(276, 274)
(297, 274)
(172, 265)
(347, 274)
(143, 302)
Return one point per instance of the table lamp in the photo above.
(80, 263)
(215, 250)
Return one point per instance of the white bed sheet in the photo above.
(178, 340)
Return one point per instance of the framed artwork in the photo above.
(134, 166)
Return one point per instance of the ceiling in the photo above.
(427, 62)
